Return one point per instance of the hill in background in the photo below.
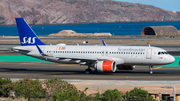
(80, 11)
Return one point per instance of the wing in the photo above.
(81, 58)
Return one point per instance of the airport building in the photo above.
(160, 30)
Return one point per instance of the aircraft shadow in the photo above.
(74, 72)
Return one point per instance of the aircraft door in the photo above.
(149, 53)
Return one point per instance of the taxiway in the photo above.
(70, 71)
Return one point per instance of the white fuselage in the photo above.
(126, 55)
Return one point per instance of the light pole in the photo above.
(174, 90)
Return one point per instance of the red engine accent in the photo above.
(125, 67)
(106, 66)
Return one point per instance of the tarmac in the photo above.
(96, 82)
(9, 69)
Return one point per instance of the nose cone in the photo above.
(171, 59)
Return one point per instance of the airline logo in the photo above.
(28, 40)
(60, 48)
(131, 49)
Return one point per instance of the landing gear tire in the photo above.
(88, 71)
(151, 69)
(151, 72)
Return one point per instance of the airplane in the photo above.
(101, 58)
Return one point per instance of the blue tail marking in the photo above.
(104, 43)
(26, 34)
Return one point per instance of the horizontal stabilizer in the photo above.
(17, 49)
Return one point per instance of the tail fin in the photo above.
(26, 34)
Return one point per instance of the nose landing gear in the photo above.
(151, 69)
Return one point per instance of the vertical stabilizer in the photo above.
(26, 34)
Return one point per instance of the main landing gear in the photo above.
(88, 71)
(151, 69)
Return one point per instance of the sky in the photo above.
(172, 5)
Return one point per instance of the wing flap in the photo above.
(81, 58)
(76, 58)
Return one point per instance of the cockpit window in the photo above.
(161, 53)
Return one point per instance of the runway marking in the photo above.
(157, 67)
(27, 63)
(34, 63)
(87, 76)
(6, 51)
(64, 65)
(4, 70)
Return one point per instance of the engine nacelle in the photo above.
(125, 67)
(106, 66)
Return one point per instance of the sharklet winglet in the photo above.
(40, 51)
(104, 43)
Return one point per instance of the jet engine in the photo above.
(125, 67)
(105, 66)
